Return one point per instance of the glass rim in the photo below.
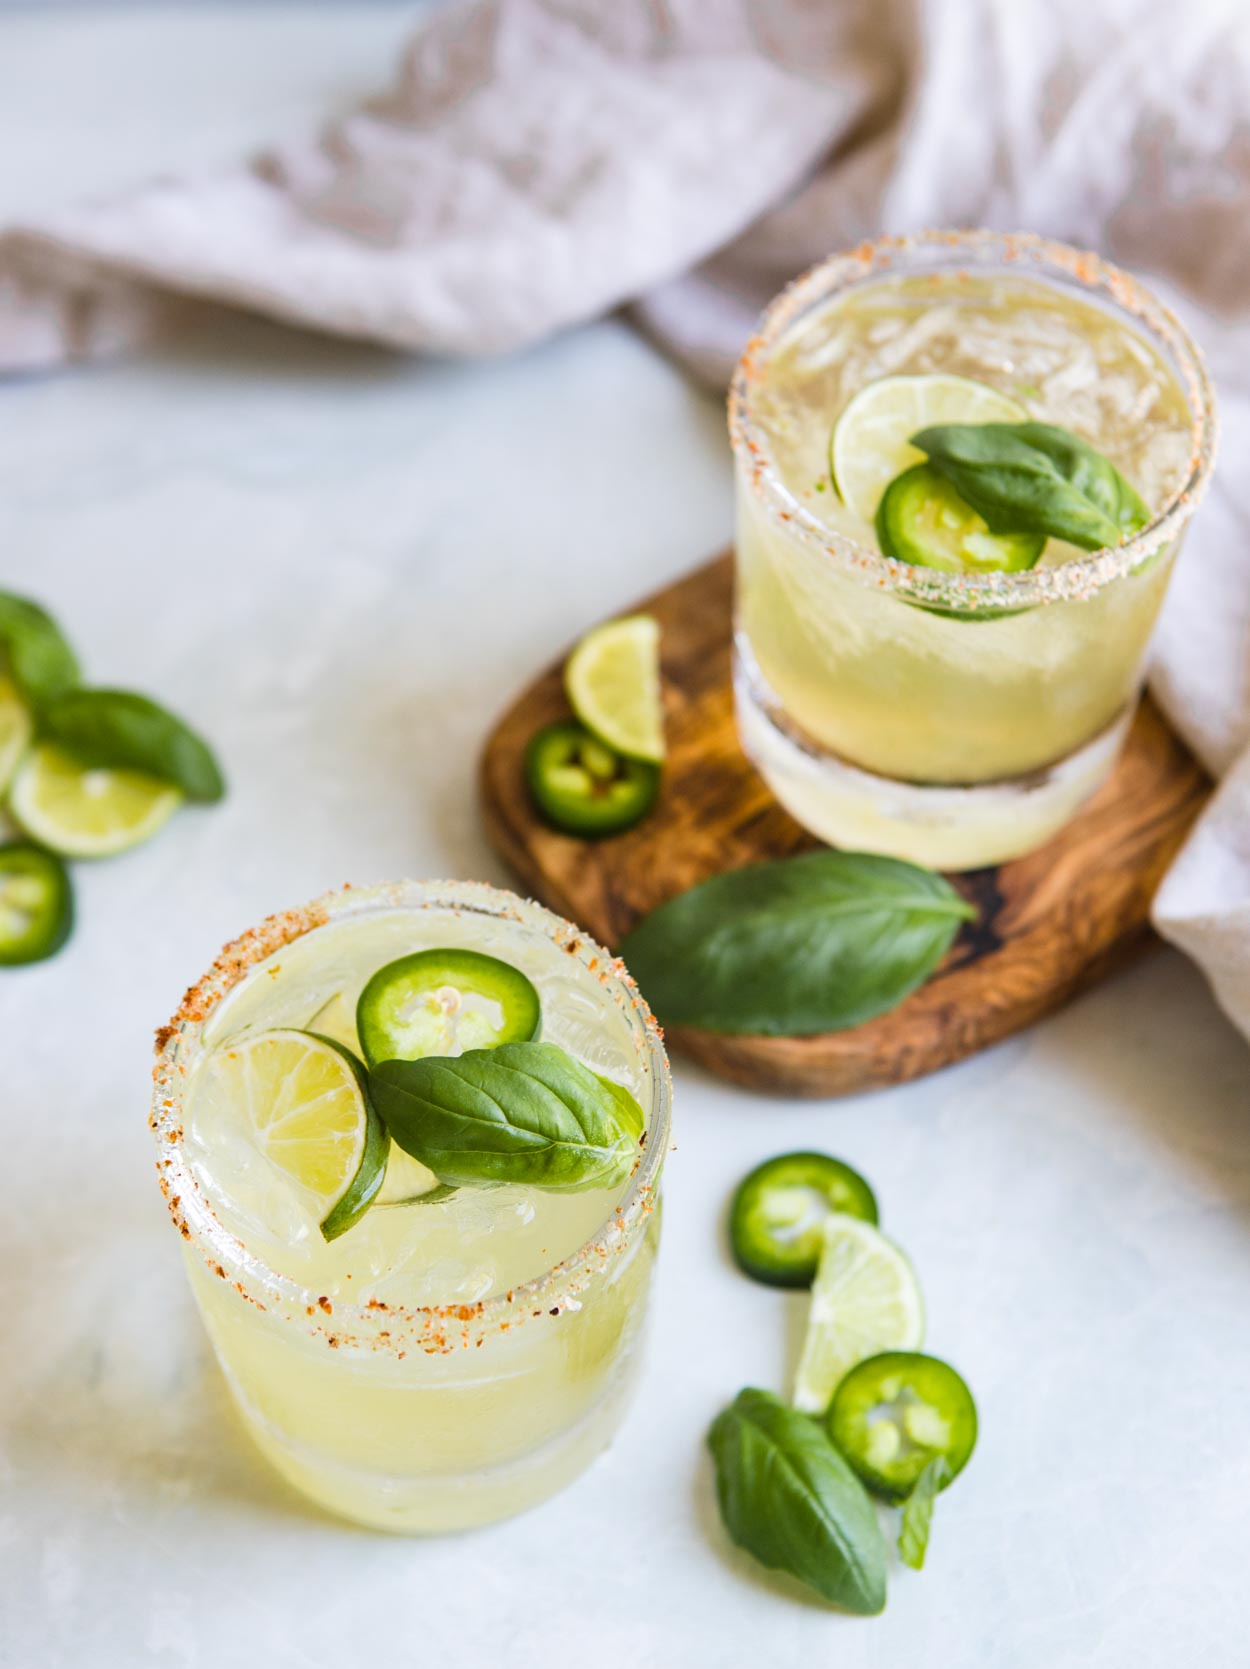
(394, 1328)
(1028, 255)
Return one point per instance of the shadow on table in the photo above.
(112, 1406)
(127, 1461)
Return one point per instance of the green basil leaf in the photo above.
(629, 1114)
(42, 664)
(124, 731)
(524, 1112)
(1036, 478)
(913, 1535)
(788, 1497)
(809, 944)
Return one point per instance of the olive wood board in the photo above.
(1048, 924)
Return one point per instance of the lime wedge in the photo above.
(407, 1180)
(613, 683)
(86, 812)
(15, 729)
(303, 1103)
(865, 1299)
(870, 443)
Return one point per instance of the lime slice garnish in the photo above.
(871, 441)
(613, 683)
(84, 811)
(15, 729)
(407, 1180)
(303, 1104)
(865, 1299)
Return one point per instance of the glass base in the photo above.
(939, 827)
(438, 1502)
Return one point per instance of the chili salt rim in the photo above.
(1042, 257)
(374, 1325)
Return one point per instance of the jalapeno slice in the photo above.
(777, 1218)
(36, 904)
(440, 1002)
(582, 786)
(922, 520)
(894, 1413)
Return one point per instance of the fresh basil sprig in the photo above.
(1036, 478)
(40, 661)
(788, 1497)
(523, 1112)
(810, 944)
(913, 1535)
(124, 731)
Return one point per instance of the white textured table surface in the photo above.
(342, 565)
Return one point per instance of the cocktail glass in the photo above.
(391, 1388)
(954, 719)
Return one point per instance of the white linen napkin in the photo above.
(538, 162)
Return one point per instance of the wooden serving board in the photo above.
(1049, 924)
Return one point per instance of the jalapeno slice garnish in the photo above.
(776, 1221)
(894, 1413)
(583, 787)
(36, 904)
(922, 520)
(441, 1002)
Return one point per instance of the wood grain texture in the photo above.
(1049, 924)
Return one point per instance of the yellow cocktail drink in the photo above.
(451, 1358)
(951, 717)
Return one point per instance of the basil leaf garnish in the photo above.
(124, 731)
(1036, 478)
(809, 944)
(629, 1114)
(913, 1535)
(41, 662)
(523, 1112)
(788, 1497)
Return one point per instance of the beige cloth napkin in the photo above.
(538, 162)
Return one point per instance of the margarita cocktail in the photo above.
(940, 646)
(418, 1346)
